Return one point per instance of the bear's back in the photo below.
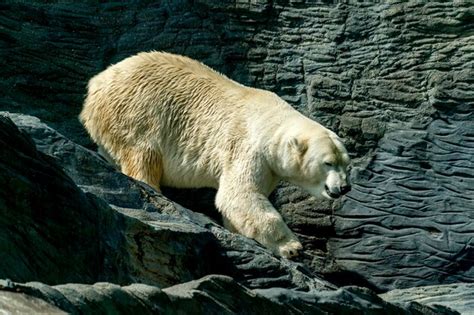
(174, 70)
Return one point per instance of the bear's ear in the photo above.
(298, 145)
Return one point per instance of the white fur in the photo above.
(169, 120)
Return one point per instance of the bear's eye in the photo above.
(328, 164)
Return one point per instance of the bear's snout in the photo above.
(340, 191)
(332, 193)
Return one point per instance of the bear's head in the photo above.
(318, 162)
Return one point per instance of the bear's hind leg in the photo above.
(143, 165)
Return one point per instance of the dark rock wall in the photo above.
(395, 79)
(34, 226)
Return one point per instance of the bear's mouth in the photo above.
(330, 193)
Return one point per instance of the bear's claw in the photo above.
(290, 249)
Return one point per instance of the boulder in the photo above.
(457, 296)
(212, 294)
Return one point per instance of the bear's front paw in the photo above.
(289, 249)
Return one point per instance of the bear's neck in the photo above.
(279, 155)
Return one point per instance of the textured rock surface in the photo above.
(20, 303)
(459, 296)
(41, 208)
(209, 295)
(52, 231)
(396, 80)
(410, 216)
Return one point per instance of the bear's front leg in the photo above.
(249, 213)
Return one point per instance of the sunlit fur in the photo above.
(169, 120)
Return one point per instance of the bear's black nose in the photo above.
(345, 189)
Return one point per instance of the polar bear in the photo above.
(168, 120)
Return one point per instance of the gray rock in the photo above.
(212, 294)
(410, 213)
(458, 296)
(44, 217)
(52, 231)
(347, 300)
(99, 298)
(20, 303)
